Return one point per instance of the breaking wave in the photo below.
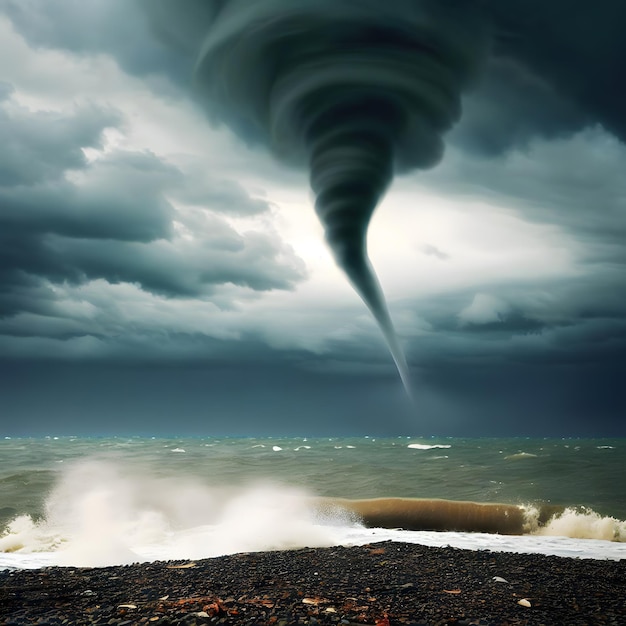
(425, 446)
(497, 518)
(577, 523)
(99, 516)
(102, 514)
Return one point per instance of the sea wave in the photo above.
(576, 523)
(102, 513)
(496, 518)
(97, 515)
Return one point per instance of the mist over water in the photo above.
(104, 501)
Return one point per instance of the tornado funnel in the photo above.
(350, 168)
(355, 90)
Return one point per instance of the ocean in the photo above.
(107, 501)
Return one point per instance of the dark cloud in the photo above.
(40, 146)
(194, 399)
(574, 182)
(552, 72)
(556, 351)
(187, 32)
(553, 68)
(196, 186)
(116, 27)
(545, 399)
(67, 220)
(578, 48)
(199, 398)
(510, 107)
(251, 260)
(103, 205)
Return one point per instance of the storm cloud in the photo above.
(68, 220)
(135, 233)
(289, 78)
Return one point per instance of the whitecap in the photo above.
(520, 455)
(178, 450)
(276, 448)
(424, 446)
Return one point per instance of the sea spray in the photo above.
(575, 522)
(103, 514)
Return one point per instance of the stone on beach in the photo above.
(386, 584)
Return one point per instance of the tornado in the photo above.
(356, 91)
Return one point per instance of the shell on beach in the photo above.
(499, 579)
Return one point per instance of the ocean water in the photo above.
(105, 501)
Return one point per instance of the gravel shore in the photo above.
(385, 584)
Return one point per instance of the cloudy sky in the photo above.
(160, 276)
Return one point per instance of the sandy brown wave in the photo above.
(424, 514)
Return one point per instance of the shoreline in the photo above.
(384, 583)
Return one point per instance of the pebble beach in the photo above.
(382, 583)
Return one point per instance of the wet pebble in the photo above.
(385, 584)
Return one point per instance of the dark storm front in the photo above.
(527, 345)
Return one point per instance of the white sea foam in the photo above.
(185, 544)
(557, 546)
(520, 455)
(425, 446)
(576, 523)
(585, 524)
(100, 515)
